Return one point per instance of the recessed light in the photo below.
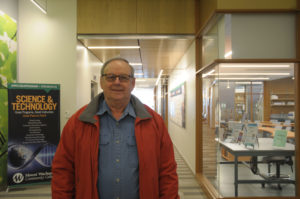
(38, 5)
(113, 47)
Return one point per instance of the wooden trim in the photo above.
(207, 187)
(297, 127)
(233, 11)
(297, 102)
(257, 60)
(198, 133)
(197, 15)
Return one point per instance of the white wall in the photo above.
(88, 69)
(9, 7)
(47, 48)
(158, 98)
(184, 138)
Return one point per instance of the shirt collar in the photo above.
(103, 108)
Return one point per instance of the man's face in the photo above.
(118, 89)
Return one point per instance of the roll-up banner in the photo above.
(33, 132)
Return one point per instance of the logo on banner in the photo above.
(18, 178)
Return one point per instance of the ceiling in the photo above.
(155, 53)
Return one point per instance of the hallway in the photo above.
(188, 187)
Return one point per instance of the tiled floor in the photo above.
(188, 187)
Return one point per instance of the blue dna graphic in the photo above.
(19, 156)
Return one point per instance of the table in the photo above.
(264, 148)
(270, 124)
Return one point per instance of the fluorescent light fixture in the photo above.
(136, 64)
(248, 82)
(113, 47)
(244, 78)
(225, 74)
(228, 86)
(140, 80)
(138, 74)
(40, 7)
(254, 66)
(158, 78)
(209, 73)
(228, 54)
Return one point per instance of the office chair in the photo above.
(277, 160)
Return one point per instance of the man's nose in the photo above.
(117, 80)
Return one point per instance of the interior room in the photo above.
(237, 95)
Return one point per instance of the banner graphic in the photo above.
(33, 133)
(8, 74)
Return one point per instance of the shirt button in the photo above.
(117, 197)
(118, 180)
(117, 141)
(117, 160)
(117, 123)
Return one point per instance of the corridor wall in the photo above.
(47, 48)
(88, 68)
(184, 138)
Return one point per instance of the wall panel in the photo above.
(106, 16)
(207, 9)
(166, 16)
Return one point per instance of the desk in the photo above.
(270, 124)
(290, 134)
(265, 148)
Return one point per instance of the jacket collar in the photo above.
(92, 108)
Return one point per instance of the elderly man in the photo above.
(115, 147)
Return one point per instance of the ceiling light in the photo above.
(113, 47)
(244, 78)
(248, 82)
(228, 54)
(160, 73)
(39, 6)
(138, 74)
(228, 84)
(209, 73)
(224, 74)
(136, 64)
(254, 66)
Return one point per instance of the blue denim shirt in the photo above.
(118, 158)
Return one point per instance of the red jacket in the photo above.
(75, 164)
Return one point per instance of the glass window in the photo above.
(249, 109)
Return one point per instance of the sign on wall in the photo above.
(177, 105)
(34, 130)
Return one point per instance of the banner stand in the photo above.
(33, 132)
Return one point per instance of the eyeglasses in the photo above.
(113, 77)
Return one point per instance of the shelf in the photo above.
(281, 105)
(283, 99)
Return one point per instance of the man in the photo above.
(115, 147)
